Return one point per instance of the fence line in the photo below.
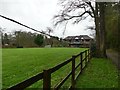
(46, 74)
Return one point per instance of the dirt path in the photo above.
(114, 56)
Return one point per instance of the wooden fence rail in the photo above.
(46, 74)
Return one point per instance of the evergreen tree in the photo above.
(39, 40)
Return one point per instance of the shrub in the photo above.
(93, 48)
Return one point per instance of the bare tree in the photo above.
(77, 10)
(49, 30)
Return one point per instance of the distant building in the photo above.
(78, 41)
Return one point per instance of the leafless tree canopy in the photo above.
(75, 10)
(49, 30)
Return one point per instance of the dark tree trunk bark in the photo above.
(102, 30)
(96, 16)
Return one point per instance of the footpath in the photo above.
(115, 57)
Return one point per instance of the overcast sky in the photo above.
(37, 14)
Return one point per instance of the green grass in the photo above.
(20, 64)
(100, 73)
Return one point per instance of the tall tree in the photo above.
(112, 26)
(50, 30)
(17, 34)
(2, 34)
(102, 29)
(6, 39)
(23, 38)
(77, 10)
(97, 28)
(39, 40)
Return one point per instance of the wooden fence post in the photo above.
(46, 79)
(73, 72)
(81, 61)
(85, 57)
(88, 55)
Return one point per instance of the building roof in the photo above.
(79, 37)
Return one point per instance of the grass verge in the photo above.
(100, 73)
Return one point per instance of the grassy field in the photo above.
(20, 64)
(100, 73)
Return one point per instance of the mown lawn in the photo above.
(20, 64)
(100, 73)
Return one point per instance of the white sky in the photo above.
(37, 14)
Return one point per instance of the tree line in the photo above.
(22, 39)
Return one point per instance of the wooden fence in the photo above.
(46, 74)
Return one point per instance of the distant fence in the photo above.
(46, 74)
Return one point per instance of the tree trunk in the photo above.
(97, 31)
(102, 30)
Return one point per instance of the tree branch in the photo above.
(70, 17)
(89, 3)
